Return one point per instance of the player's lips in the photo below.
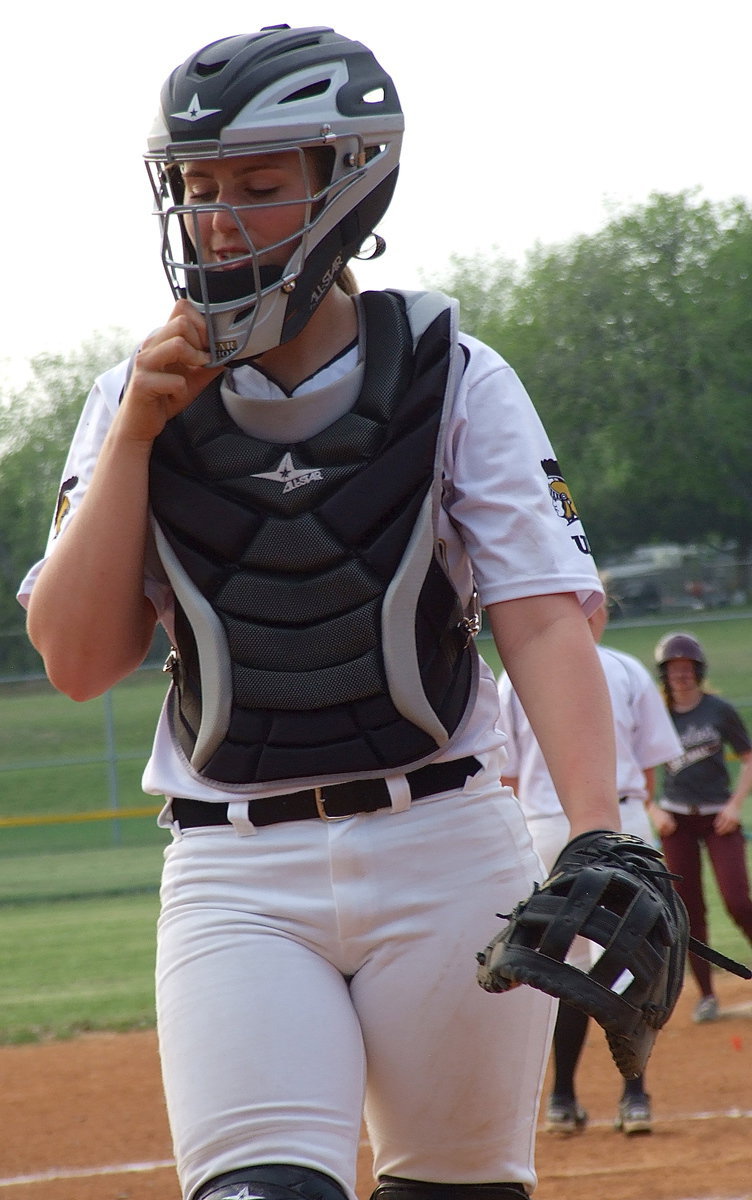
(230, 252)
(233, 257)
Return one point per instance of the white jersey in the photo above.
(507, 522)
(645, 736)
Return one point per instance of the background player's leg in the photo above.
(634, 1114)
(563, 1113)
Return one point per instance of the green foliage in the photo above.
(37, 420)
(636, 345)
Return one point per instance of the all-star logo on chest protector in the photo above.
(318, 635)
(288, 476)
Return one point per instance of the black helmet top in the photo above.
(681, 645)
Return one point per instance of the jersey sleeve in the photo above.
(506, 494)
(733, 729)
(96, 417)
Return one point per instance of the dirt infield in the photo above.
(83, 1120)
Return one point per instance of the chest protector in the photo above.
(318, 635)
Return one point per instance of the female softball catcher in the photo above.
(305, 487)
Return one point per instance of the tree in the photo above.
(636, 345)
(37, 422)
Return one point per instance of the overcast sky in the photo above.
(524, 118)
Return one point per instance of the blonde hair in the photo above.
(347, 282)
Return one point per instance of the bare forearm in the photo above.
(547, 648)
(88, 616)
(650, 780)
(743, 785)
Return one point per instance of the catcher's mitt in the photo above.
(615, 890)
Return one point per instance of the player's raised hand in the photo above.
(168, 374)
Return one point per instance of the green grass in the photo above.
(74, 966)
(47, 743)
(78, 902)
(93, 874)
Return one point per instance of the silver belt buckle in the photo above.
(321, 809)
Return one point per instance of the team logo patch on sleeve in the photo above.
(62, 508)
(561, 497)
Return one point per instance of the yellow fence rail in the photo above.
(101, 814)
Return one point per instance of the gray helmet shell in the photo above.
(279, 89)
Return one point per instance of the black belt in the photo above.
(333, 801)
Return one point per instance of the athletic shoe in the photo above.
(706, 1010)
(634, 1115)
(564, 1116)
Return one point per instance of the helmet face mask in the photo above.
(310, 93)
(235, 291)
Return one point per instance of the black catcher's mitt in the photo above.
(615, 890)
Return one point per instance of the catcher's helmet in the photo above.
(280, 89)
(681, 645)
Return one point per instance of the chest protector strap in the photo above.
(318, 636)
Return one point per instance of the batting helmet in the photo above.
(281, 89)
(681, 645)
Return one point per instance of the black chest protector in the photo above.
(318, 635)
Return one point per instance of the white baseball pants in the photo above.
(313, 967)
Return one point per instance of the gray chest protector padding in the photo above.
(318, 636)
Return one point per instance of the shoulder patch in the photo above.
(62, 508)
(561, 497)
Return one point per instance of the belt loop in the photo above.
(167, 820)
(399, 792)
(237, 815)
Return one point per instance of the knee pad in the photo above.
(271, 1181)
(391, 1187)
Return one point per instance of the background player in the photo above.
(698, 806)
(645, 738)
(305, 487)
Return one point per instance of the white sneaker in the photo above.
(705, 1010)
(565, 1116)
(634, 1115)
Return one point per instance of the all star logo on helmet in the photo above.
(288, 474)
(195, 112)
